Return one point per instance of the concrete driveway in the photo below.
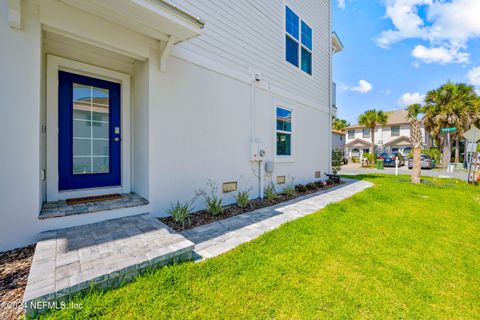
(355, 168)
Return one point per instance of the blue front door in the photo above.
(89, 137)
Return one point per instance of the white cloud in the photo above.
(410, 98)
(342, 86)
(445, 25)
(363, 87)
(474, 76)
(341, 4)
(439, 55)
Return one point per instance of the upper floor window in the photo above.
(284, 132)
(351, 134)
(366, 133)
(395, 131)
(298, 42)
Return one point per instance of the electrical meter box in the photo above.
(257, 152)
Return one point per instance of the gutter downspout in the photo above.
(253, 142)
(252, 109)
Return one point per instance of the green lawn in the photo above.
(394, 251)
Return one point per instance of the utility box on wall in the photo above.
(257, 152)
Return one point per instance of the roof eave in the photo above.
(336, 43)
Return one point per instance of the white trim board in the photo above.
(54, 64)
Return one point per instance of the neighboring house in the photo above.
(338, 140)
(100, 97)
(393, 137)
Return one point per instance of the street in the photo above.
(355, 168)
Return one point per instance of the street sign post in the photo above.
(472, 136)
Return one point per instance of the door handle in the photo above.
(117, 139)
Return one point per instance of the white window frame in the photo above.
(291, 157)
(299, 41)
(55, 64)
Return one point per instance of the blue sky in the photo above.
(397, 50)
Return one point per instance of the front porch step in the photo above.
(56, 209)
(99, 255)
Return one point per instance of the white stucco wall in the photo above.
(20, 67)
(140, 127)
(205, 132)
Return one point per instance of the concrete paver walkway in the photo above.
(98, 255)
(216, 238)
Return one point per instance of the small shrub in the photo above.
(270, 193)
(300, 188)
(242, 198)
(371, 158)
(319, 184)
(214, 206)
(311, 186)
(337, 160)
(214, 202)
(180, 212)
(289, 191)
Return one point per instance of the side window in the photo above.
(351, 134)
(366, 133)
(284, 132)
(298, 42)
(395, 131)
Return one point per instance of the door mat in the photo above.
(104, 197)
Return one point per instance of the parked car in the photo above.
(389, 159)
(426, 161)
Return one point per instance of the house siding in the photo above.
(250, 34)
(338, 141)
(189, 124)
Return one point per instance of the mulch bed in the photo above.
(14, 269)
(202, 217)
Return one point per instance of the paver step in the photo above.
(58, 209)
(99, 255)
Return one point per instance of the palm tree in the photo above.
(370, 119)
(451, 105)
(339, 124)
(416, 139)
(470, 100)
